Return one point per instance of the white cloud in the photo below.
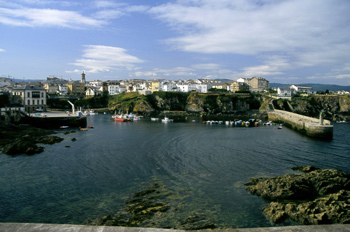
(177, 72)
(272, 66)
(2, 50)
(209, 66)
(99, 58)
(46, 17)
(114, 10)
(107, 4)
(307, 33)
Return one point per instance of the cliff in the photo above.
(335, 108)
(189, 103)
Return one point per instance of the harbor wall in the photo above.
(309, 126)
(55, 122)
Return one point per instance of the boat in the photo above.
(279, 127)
(120, 119)
(154, 119)
(64, 127)
(167, 120)
(83, 129)
(92, 112)
(268, 123)
(90, 126)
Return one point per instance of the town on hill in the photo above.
(53, 92)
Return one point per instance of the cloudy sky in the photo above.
(284, 41)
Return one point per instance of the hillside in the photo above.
(188, 103)
(335, 108)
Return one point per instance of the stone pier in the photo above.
(36, 227)
(313, 127)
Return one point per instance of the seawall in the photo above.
(36, 227)
(306, 125)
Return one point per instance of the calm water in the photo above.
(205, 164)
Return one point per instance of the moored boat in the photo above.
(167, 120)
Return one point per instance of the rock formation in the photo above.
(315, 197)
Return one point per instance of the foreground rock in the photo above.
(151, 208)
(23, 139)
(315, 197)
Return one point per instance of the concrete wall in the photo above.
(304, 124)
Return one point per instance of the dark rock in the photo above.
(74, 139)
(195, 222)
(305, 168)
(316, 197)
(49, 139)
(22, 146)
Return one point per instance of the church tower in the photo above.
(83, 80)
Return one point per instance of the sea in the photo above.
(95, 172)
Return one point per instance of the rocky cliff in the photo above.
(335, 108)
(314, 197)
(197, 103)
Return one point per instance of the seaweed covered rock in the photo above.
(22, 146)
(151, 207)
(49, 139)
(315, 197)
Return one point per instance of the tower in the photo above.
(83, 78)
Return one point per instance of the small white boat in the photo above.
(268, 123)
(92, 112)
(154, 119)
(167, 120)
(64, 127)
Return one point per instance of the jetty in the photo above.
(36, 227)
(54, 119)
(313, 127)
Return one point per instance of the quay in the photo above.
(36, 227)
(313, 127)
(54, 119)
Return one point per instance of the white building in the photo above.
(168, 87)
(184, 88)
(284, 92)
(5, 82)
(201, 88)
(63, 90)
(116, 89)
(31, 97)
(301, 88)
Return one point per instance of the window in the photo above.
(28, 102)
(28, 94)
(35, 94)
(33, 102)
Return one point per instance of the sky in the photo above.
(283, 41)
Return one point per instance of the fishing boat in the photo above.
(167, 120)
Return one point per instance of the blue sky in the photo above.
(284, 41)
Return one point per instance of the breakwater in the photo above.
(54, 120)
(317, 128)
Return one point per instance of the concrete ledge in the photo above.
(36, 227)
